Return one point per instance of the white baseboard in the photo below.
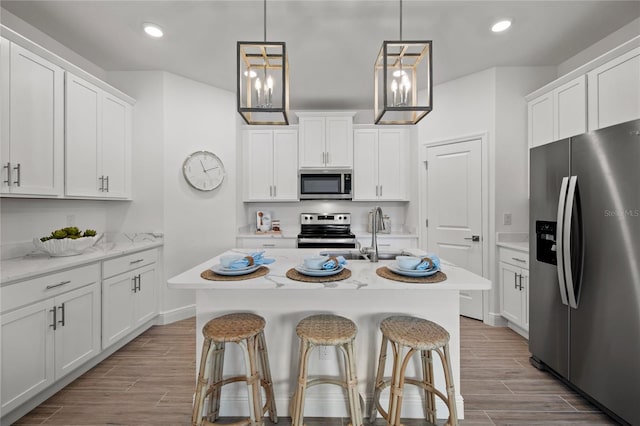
(178, 314)
(521, 331)
(495, 320)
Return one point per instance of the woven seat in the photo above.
(411, 335)
(327, 330)
(233, 327)
(247, 330)
(414, 332)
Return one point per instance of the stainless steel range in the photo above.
(326, 230)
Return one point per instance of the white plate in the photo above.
(411, 273)
(236, 269)
(318, 272)
(219, 269)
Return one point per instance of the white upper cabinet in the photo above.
(326, 141)
(614, 91)
(558, 114)
(381, 164)
(270, 165)
(98, 142)
(32, 123)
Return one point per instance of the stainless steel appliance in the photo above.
(326, 230)
(325, 184)
(584, 295)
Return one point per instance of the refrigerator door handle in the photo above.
(566, 234)
(559, 240)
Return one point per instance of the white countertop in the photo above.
(363, 276)
(33, 265)
(520, 246)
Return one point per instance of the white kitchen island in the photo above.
(365, 298)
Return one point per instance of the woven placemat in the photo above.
(385, 272)
(292, 274)
(208, 274)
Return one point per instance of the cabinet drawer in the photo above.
(266, 243)
(129, 262)
(514, 257)
(25, 292)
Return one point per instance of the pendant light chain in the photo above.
(400, 20)
(265, 21)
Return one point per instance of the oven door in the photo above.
(310, 242)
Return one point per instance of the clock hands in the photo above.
(216, 167)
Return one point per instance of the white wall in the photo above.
(198, 225)
(601, 47)
(511, 146)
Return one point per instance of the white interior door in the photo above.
(454, 211)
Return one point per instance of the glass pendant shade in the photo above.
(263, 82)
(402, 71)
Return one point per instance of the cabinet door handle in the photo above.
(376, 190)
(135, 286)
(515, 281)
(101, 179)
(61, 322)
(518, 260)
(268, 245)
(135, 261)
(55, 324)
(107, 180)
(139, 280)
(61, 283)
(17, 169)
(8, 167)
(520, 282)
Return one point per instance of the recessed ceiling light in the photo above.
(500, 26)
(153, 30)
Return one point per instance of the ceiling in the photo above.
(332, 44)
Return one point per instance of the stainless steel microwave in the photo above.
(325, 184)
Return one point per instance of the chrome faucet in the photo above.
(375, 220)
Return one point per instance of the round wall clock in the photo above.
(203, 170)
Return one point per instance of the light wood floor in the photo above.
(150, 382)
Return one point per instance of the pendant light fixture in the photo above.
(263, 80)
(401, 69)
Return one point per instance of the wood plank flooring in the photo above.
(150, 382)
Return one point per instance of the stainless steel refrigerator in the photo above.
(584, 294)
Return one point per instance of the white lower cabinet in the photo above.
(514, 289)
(49, 330)
(129, 298)
(389, 243)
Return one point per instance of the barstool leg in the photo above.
(382, 360)
(266, 375)
(216, 377)
(352, 384)
(427, 377)
(253, 387)
(297, 416)
(451, 393)
(397, 382)
(202, 383)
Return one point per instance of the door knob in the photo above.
(474, 238)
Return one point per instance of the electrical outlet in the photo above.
(71, 220)
(506, 219)
(323, 353)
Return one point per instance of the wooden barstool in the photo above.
(247, 330)
(327, 330)
(416, 334)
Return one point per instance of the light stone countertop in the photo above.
(36, 264)
(520, 246)
(363, 276)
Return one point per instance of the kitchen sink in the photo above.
(356, 255)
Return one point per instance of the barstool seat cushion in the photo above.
(233, 327)
(414, 332)
(327, 330)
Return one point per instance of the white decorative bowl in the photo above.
(66, 246)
